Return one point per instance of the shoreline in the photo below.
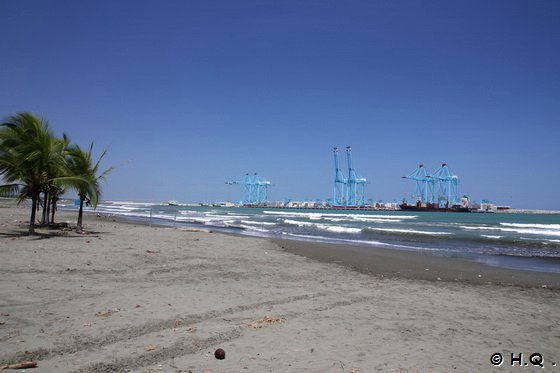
(451, 267)
(386, 262)
(390, 263)
(379, 261)
(395, 262)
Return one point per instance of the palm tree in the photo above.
(31, 158)
(81, 165)
(59, 179)
(58, 191)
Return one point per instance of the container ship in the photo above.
(434, 207)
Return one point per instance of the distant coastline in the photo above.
(307, 206)
(531, 211)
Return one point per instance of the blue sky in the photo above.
(186, 95)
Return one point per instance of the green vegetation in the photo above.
(80, 163)
(40, 166)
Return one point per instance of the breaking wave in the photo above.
(534, 231)
(407, 231)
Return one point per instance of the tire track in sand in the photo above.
(81, 343)
(179, 348)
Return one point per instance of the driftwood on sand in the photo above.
(22, 365)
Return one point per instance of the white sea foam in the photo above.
(477, 228)
(326, 227)
(159, 216)
(130, 203)
(331, 239)
(408, 231)
(186, 212)
(320, 215)
(339, 229)
(364, 219)
(117, 208)
(146, 215)
(490, 236)
(219, 216)
(299, 223)
(541, 232)
(204, 220)
(257, 222)
(378, 220)
(251, 228)
(537, 226)
(309, 215)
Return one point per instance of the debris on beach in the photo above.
(266, 321)
(177, 323)
(107, 313)
(220, 354)
(151, 347)
(22, 365)
(152, 251)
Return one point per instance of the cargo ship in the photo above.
(434, 207)
(431, 207)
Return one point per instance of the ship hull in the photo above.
(407, 207)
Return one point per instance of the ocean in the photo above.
(510, 240)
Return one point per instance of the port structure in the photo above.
(439, 187)
(424, 184)
(339, 194)
(445, 186)
(255, 189)
(347, 191)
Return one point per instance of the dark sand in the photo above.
(393, 263)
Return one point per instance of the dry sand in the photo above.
(150, 299)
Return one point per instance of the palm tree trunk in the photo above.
(44, 215)
(81, 212)
(53, 207)
(48, 207)
(34, 200)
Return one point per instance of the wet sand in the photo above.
(412, 265)
(127, 297)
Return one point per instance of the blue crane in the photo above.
(439, 188)
(356, 185)
(445, 186)
(255, 189)
(339, 196)
(424, 184)
(347, 191)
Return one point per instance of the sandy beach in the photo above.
(136, 298)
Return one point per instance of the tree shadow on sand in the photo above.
(61, 230)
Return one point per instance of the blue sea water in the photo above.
(521, 241)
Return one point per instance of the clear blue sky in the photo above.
(189, 94)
